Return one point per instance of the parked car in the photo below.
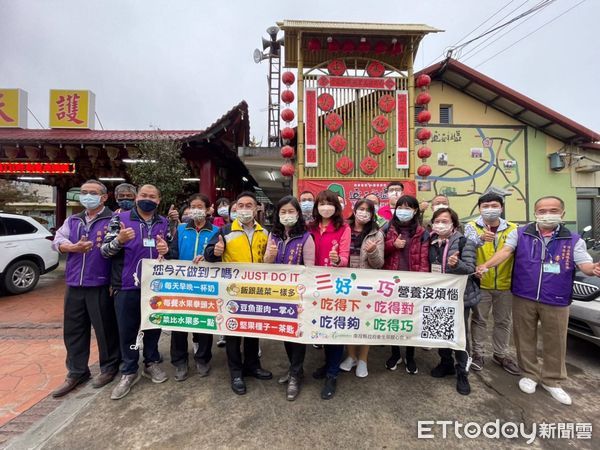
(25, 252)
(584, 315)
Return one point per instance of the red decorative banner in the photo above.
(325, 81)
(380, 124)
(325, 102)
(375, 69)
(338, 143)
(337, 67)
(376, 145)
(386, 103)
(402, 130)
(311, 157)
(29, 168)
(369, 165)
(344, 165)
(333, 122)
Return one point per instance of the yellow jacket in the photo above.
(238, 247)
(499, 277)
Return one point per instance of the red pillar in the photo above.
(208, 172)
(60, 210)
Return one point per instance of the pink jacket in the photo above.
(325, 241)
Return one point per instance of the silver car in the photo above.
(584, 316)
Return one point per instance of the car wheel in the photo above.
(21, 277)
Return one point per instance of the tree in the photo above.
(163, 166)
(11, 192)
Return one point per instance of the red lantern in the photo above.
(288, 134)
(287, 170)
(424, 152)
(423, 80)
(348, 46)
(325, 102)
(333, 45)
(424, 116)
(424, 170)
(396, 48)
(287, 151)
(336, 67)
(423, 134)
(375, 69)
(287, 115)
(364, 46)
(423, 98)
(380, 47)
(288, 78)
(287, 96)
(314, 45)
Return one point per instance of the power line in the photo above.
(36, 119)
(529, 34)
(99, 121)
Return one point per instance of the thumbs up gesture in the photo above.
(161, 246)
(453, 259)
(219, 247)
(399, 242)
(334, 256)
(371, 245)
(82, 246)
(597, 269)
(125, 235)
(488, 235)
(271, 250)
(173, 215)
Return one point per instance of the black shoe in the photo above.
(320, 373)
(260, 374)
(293, 389)
(392, 362)
(462, 383)
(318, 346)
(328, 390)
(411, 367)
(238, 386)
(442, 370)
(181, 373)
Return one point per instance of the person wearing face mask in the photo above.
(132, 236)
(394, 191)
(192, 237)
(222, 217)
(366, 252)
(546, 255)
(332, 248)
(406, 249)
(489, 232)
(450, 252)
(375, 199)
(87, 299)
(307, 204)
(290, 243)
(125, 196)
(243, 240)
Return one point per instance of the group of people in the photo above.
(517, 275)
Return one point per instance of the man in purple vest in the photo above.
(546, 255)
(87, 298)
(132, 236)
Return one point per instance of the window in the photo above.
(445, 113)
(418, 109)
(17, 226)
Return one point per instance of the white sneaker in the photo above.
(559, 394)
(361, 369)
(527, 385)
(196, 347)
(348, 364)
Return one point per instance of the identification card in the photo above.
(149, 242)
(551, 268)
(436, 268)
(354, 261)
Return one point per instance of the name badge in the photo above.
(149, 242)
(436, 268)
(551, 268)
(354, 261)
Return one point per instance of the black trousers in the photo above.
(179, 347)
(250, 360)
(86, 307)
(459, 355)
(296, 353)
(410, 352)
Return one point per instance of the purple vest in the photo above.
(134, 250)
(88, 269)
(292, 252)
(529, 279)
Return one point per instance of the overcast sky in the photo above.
(181, 64)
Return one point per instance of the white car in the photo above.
(25, 252)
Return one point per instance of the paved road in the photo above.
(379, 411)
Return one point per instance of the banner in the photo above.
(312, 305)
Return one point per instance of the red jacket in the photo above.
(418, 252)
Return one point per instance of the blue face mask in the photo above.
(307, 206)
(404, 215)
(126, 204)
(89, 201)
(146, 205)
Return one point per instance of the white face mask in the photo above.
(245, 216)
(288, 220)
(223, 211)
(548, 221)
(197, 214)
(442, 228)
(326, 211)
(439, 206)
(362, 216)
(491, 213)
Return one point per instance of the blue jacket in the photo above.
(191, 242)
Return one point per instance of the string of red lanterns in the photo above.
(423, 99)
(287, 133)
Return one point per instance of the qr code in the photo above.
(438, 323)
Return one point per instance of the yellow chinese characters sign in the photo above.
(72, 109)
(13, 108)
